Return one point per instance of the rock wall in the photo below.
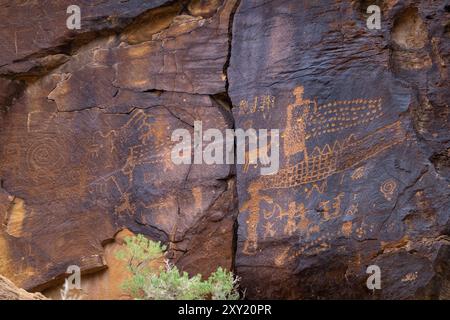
(85, 136)
(86, 118)
(8, 291)
(364, 150)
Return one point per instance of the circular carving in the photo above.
(45, 155)
(388, 188)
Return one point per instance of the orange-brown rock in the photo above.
(107, 283)
(364, 123)
(85, 143)
(86, 118)
(8, 291)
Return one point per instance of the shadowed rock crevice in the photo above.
(441, 162)
(410, 41)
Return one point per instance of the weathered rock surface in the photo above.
(86, 119)
(107, 283)
(85, 146)
(8, 291)
(363, 178)
(37, 29)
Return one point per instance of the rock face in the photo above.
(107, 283)
(86, 123)
(85, 145)
(363, 116)
(8, 291)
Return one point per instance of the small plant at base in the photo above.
(139, 252)
(168, 283)
(223, 285)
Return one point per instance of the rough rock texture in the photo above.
(107, 283)
(8, 291)
(86, 119)
(85, 145)
(364, 119)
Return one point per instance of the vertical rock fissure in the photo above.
(226, 66)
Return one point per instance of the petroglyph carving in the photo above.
(251, 156)
(295, 132)
(43, 155)
(388, 188)
(358, 173)
(291, 224)
(352, 210)
(263, 104)
(329, 160)
(295, 220)
(152, 146)
(253, 208)
(306, 119)
(126, 206)
(298, 220)
(340, 115)
(269, 230)
(331, 209)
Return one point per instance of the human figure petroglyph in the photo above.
(292, 213)
(298, 220)
(295, 132)
(252, 205)
(307, 119)
(269, 230)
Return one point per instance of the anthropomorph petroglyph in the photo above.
(314, 164)
(253, 208)
(295, 133)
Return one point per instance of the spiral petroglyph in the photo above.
(388, 188)
(44, 155)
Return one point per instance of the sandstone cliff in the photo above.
(86, 118)
(8, 291)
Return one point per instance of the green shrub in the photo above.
(168, 283)
(139, 252)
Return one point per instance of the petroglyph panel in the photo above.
(85, 136)
(111, 170)
(349, 160)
